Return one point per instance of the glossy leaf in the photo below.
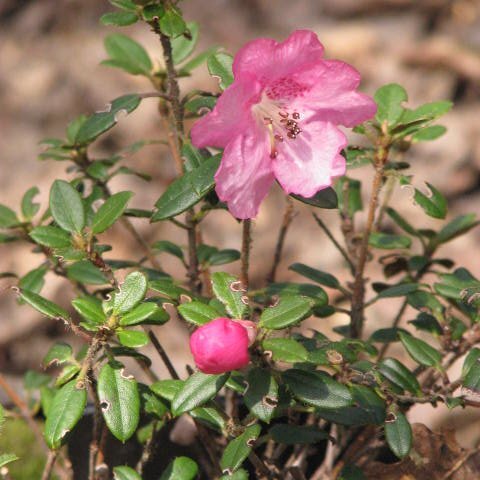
(182, 468)
(326, 198)
(286, 350)
(228, 290)
(182, 46)
(138, 314)
(220, 65)
(58, 354)
(296, 434)
(172, 23)
(169, 247)
(132, 291)
(65, 411)
(389, 99)
(421, 351)
(90, 308)
(315, 275)
(198, 389)
(51, 237)
(398, 433)
(125, 473)
(132, 338)
(119, 401)
(289, 311)
(239, 448)
(198, 313)
(86, 272)
(399, 375)
(44, 306)
(261, 396)
(433, 204)
(127, 54)
(388, 241)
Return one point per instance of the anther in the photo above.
(296, 115)
(291, 135)
(278, 137)
(274, 153)
(283, 114)
(267, 120)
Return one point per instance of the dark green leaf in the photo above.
(421, 300)
(138, 314)
(29, 208)
(132, 338)
(52, 237)
(326, 198)
(44, 306)
(427, 323)
(398, 433)
(110, 211)
(119, 19)
(222, 257)
(65, 411)
(182, 46)
(401, 222)
(167, 288)
(171, 23)
(421, 351)
(128, 5)
(261, 395)
(433, 204)
(125, 473)
(289, 311)
(458, 226)
(399, 290)
(289, 289)
(66, 206)
(187, 190)
(239, 474)
(349, 195)
(428, 111)
(399, 375)
(315, 275)
(220, 65)
(100, 122)
(8, 218)
(317, 388)
(33, 281)
(90, 308)
(169, 247)
(131, 293)
(119, 401)
(471, 359)
(351, 472)
(197, 390)
(167, 388)
(57, 355)
(238, 449)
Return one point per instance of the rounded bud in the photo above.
(222, 345)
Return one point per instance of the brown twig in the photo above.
(287, 220)
(245, 254)
(47, 471)
(161, 352)
(358, 294)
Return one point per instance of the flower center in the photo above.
(279, 121)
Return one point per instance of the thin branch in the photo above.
(245, 254)
(358, 295)
(287, 220)
(163, 355)
(48, 470)
(329, 234)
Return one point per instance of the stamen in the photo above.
(283, 114)
(296, 115)
(278, 137)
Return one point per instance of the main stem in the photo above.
(245, 254)
(47, 471)
(358, 294)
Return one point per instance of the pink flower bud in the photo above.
(222, 345)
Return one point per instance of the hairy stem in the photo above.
(358, 294)
(245, 254)
(48, 470)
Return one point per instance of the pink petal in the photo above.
(270, 60)
(332, 96)
(245, 174)
(231, 115)
(220, 346)
(310, 162)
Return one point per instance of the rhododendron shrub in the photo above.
(265, 397)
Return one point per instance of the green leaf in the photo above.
(182, 468)
(210, 417)
(44, 306)
(422, 300)
(427, 111)
(169, 247)
(398, 433)
(127, 54)
(314, 292)
(139, 314)
(66, 374)
(187, 190)
(153, 12)
(125, 473)
(458, 226)
(388, 241)
(172, 23)
(119, 19)
(167, 288)
(220, 65)
(198, 313)
(349, 191)
(261, 396)
(132, 338)
(315, 275)
(433, 204)
(131, 293)
(427, 323)
(239, 474)
(8, 218)
(296, 434)
(289, 311)
(86, 272)
(197, 390)
(167, 388)
(34, 380)
(399, 375)
(471, 359)
(317, 388)
(389, 99)
(28, 207)
(399, 290)
(326, 198)
(51, 237)
(33, 281)
(64, 413)
(198, 105)
(119, 401)
(238, 449)
(286, 350)
(421, 351)
(58, 354)
(228, 290)
(66, 206)
(471, 379)
(6, 458)
(351, 472)
(100, 122)
(90, 308)
(128, 5)
(401, 222)
(429, 133)
(110, 211)
(222, 257)
(182, 46)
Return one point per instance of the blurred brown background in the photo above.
(49, 73)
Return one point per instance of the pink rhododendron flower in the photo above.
(278, 120)
(222, 345)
